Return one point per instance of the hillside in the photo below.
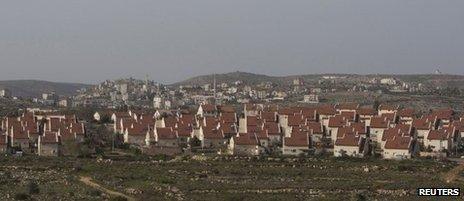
(34, 88)
(249, 78)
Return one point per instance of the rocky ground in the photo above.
(219, 178)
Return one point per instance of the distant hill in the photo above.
(34, 88)
(249, 78)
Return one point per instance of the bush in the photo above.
(119, 198)
(21, 196)
(165, 180)
(95, 193)
(33, 188)
(77, 166)
(359, 197)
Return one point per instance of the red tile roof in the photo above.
(262, 134)
(296, 120)
(184, 131)
(209, 108)
(289, 111)
(297, 140)
(398, 142)
(49, 138)
(186, 119)
(226, 109)
(252, 121)
(272, 128)
(326, 110)
(3, 140)
(388, 107)
(349, 116)
(422, 124)
(337, 121)
(345, 131)
(166, 133)
(228, 118)
(228, 128)
(309, 114)
(349, 139)
(366, 111)
(170, 121)
(347, 106)
(137, 129)
(389, 116)
(268, 116)
(212, 133)
(446, 114)
(246, 139)
(210, 121)
(359, 127)
(407, 112)
(316, 127)
(440, 134)
(398, 130)
(379, 122)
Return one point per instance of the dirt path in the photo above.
(451, 175)
(88, 181)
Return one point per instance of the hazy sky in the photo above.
(92, 40)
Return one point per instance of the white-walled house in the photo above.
(440, 140)
(399, 147)
(349, 144)
(335, 123)
(298, 143)
(387, 109)
(365, 115)
(244, 144)
(207, 110)
(136, 134)
(378, 125)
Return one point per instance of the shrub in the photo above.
(33, 188)
(359, 197)
(95, 193)
(119, 198)
(21, 196)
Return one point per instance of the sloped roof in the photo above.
(398, 142)
(297, 140)
(246, 139)
(350, 139)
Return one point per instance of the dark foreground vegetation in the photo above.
(219, 178)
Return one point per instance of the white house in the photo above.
(440, 140)
(298, 143)
(349, 145)
(399, 147)
(244, 144)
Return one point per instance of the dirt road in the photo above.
(451, 175)
(88, 181)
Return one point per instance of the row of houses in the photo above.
(344, 129)
(39, 133)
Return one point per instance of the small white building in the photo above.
(296, 144)
(244, 144)
(400, 147)
(349, 145)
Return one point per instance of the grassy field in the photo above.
(221, 178)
